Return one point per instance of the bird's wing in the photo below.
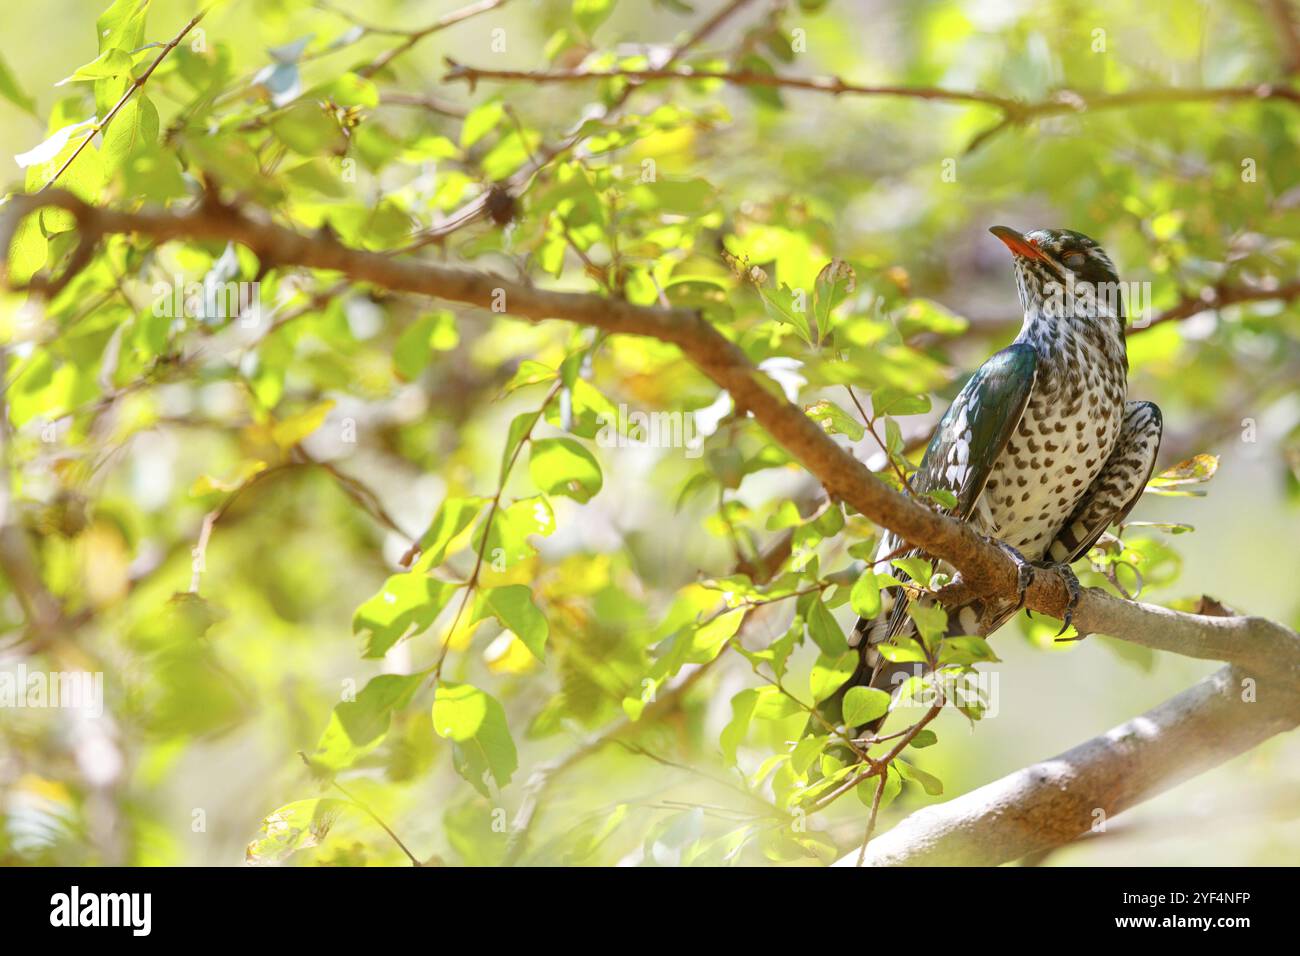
(1116, 489)
(977, 426)
(967, 441)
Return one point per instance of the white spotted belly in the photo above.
(1047, 466)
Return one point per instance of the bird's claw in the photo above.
(1072, 588)
(1025, 576)
(1024, 570)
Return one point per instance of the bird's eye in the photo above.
(1075, 260)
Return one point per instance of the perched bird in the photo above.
(1040, 449)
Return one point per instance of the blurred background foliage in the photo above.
(277, 697)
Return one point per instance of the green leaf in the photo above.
(835, 420)
(121, 26)
(943, 497)
(864, 704)
(866, 790)
(590, 14)
(513, 606)
(29, 250)
(295, 826)
(733, 735)
(806, 751)
(476, 723)
(931, 620)
(507, 540)
(110, 63)
(824, 629)
(435, 332)
(918, 569)
(405, 606)
(904, 650)
(928, 781)
(453, 517)
(783, 306)
(835, 283)
(924, 738)
(480, 121)
(291, 430)
(55, 144)
(829, 673)
(562, 466)
(865, 596)
(968, 649)
(864, 550)
(308, 130)
(529, 373)
(358, 726)
(709, 638)
(134, 129)
(684, 197)
(520, 427)
(894, 401)
(11, 91)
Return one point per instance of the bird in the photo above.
(1041, 451)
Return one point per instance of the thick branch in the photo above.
(984, 568)
(1059, 800)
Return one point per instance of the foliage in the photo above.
(541, 535)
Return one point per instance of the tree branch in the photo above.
(1220, 297)
(985, 569)
(1014, 112)
(1056, 801)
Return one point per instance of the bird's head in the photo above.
(1063, 274)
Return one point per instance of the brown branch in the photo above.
(1217, 297)
(984, 567)
(1055, 802)
(878, 767)
(820, 84)
(1014, 112)
(1214, 297)
(871, 818)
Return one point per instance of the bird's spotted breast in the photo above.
(1068, 430)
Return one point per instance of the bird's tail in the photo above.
(872, 670)
(875, 670)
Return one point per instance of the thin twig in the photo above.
(415, 36)
(1014, 112)
(362, 805)
(494, 506)
(875, 811)
(130, 91)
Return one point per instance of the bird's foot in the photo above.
(1025, 576)
(1073, 588)
(1024, 570)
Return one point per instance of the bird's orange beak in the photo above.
(1017, 243)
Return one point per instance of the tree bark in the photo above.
(1056, 801)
